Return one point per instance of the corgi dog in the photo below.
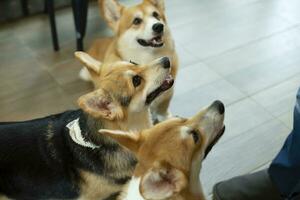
(141, 34)
(63, 156)
(170, 155)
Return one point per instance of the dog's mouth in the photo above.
(166, 84)
(214, 141)
(155, 42)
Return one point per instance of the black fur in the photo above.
(39, 160)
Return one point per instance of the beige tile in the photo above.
(243, 116)
(255, 78)
(13, 52)
(280, 98)
(38, 105)
(230, 29)
(66, 71)
(186, 58)
(287, 118)
(189, 103)
(255, 53)
(194, 76)
(287, 9)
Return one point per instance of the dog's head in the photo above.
(122, 88)
(166, 151)
(140, 25)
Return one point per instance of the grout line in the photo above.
(296, 26)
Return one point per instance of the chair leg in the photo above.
(24, 4)
(80, 9)
(50, 10)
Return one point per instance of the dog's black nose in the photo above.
(158, 28)
(165, 61)
(220, 106)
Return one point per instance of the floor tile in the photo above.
(192, 77)
(255, 78)
(287, 118)
(255, 21)
(279, 98)
(187, 104)
(255, 53)
(244, 153)
(243, 116)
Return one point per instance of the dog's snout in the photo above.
(158, 28)
(219, 106)
(165, 61)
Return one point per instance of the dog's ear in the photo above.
(162, 181)
(89, 62)
(130, 140)
(100, 104)
(160, 4)
(111, 11)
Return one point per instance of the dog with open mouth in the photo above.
(170, 155)
(141, 34)
(63, 156)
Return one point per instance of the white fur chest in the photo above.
(140, 55)
(133, 191)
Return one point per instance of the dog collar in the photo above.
(75, 134)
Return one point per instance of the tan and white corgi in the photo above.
(170, 155)
(141, 34)
(133, 86)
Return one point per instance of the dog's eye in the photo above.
(155, 14)
(137, 21)
(136, 80)
(195, 135)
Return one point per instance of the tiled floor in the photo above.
(246, 53)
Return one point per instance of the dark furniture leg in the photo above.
(24, 4)
(80, 9)
(50, 10)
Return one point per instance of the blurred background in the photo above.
(245, 53)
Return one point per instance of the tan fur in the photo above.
(169, 147)
(109, 50)
(93, 187)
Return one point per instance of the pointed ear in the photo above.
(89, 62)
(130, 140)
(162, 182)
(111, 11)
(100, 104)
(160, 4)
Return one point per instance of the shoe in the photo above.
(256, 186)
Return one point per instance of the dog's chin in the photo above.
(214, 141)
(166, 84)
(155, 42)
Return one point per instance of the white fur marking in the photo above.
(75, 134)
(184, 132)
(162, 118)
(84, 74)
(133, 191)
(130, 73)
